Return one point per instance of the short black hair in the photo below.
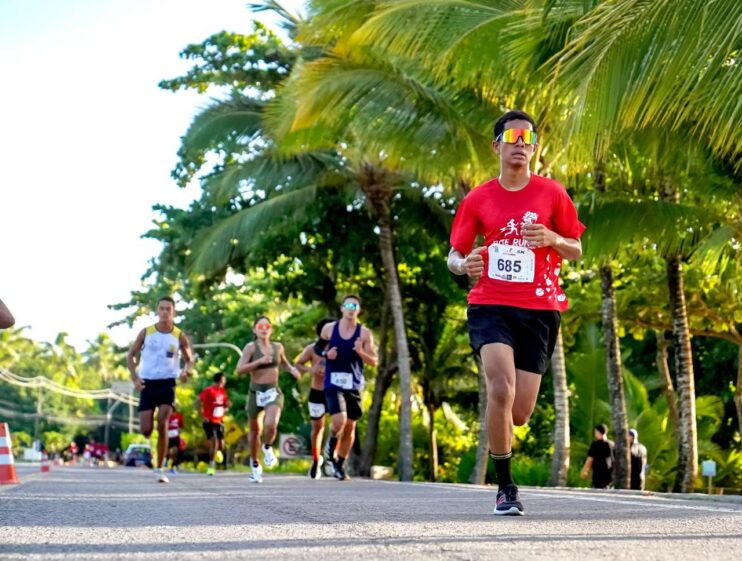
(218, 377)
(513, 115)
(354, 296)
(601, 428)
(166, 299)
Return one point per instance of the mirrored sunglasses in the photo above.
(510, 136)
(351, 306)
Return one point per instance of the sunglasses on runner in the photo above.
(351, 306)
(510, 136)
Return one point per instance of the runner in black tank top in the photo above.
(349, 346)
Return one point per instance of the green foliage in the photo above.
(54, 442)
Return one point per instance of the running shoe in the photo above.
(256, 475)
(340, 473)
(218, 457)
(161, 477)
(269, 456)
(210, 471)
(172, 471)
(508, 502)
(315, 472)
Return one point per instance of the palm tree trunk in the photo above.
(667, 388)
(621, 462)
(560, 459)
(433, 441)
(384, 376)
(686, 430)
(479, 474)
(386, 245)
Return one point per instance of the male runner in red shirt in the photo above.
(529, 224)
(215, 403)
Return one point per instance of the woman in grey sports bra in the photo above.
(262, 359)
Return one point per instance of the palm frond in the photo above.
(224, 122)
(233, 236)
(613, 227)
(634, 64)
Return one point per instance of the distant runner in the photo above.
(312, 355)
(261, 359)
(214, 405)
(160, 346)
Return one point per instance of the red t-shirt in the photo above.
(515, 274)
(174, 424)
(214, 401)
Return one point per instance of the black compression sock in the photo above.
(502, 468)
(332, 445)
(340, 462)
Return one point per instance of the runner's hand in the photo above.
(265, 359)
(538, 235)
(332, 354)
(358, 346)
(295, 372)
(474, 263)
(138, 384)
(183, 376)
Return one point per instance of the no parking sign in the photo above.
(290, 445)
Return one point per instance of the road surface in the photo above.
(102, 514)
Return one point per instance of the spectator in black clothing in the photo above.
(600, 459)
(638, 460)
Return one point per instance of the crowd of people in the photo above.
(335, 361)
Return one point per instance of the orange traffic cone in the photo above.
(45, 464)
(7, 465)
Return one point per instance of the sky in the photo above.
(87, 143)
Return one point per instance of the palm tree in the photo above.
(560, 459)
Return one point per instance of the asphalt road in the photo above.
(123, 513)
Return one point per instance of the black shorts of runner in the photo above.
(531, 333)
(344, 401)
(214, 429)
(317, 407)
(156, 393)
(173, 442)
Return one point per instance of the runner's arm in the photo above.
(539, 235)
(471, 265)
(132, 358)
(285, 361)
(185, 346)
(586, 467)
(245, 365)
(365, 348)
(6, 318)
(306, 356)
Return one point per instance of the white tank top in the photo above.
(160, 354)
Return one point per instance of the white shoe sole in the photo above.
(513, 511)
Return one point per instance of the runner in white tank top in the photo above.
(156, 351)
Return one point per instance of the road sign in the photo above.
(708, 468)
(290, 445)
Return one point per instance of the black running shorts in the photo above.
(317, 407)
(173, 442)
(214, 430)
(531, 333)
(157, 392)
(344, 401)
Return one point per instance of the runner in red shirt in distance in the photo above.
(214, 405)
(174, 426)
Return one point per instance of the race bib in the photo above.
(342, 380)
(218, 411)
(316, 409)
(172, 433)
(266, 397)
(510, 263)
